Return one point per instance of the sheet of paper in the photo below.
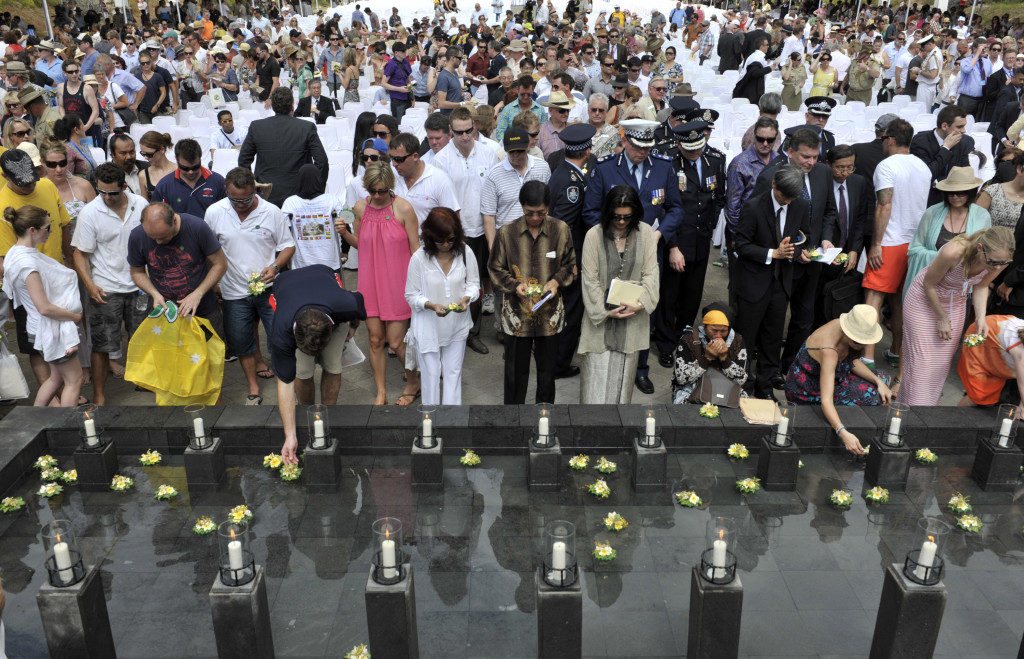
(540, 302)
(621, 291)
(761, 412)
(828, 255)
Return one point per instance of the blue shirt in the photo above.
(54, 71)
(973, 78)
(192, 201)
(88, 63)
(741, 178)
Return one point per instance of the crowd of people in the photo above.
(566, 185)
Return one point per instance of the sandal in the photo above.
(254, 399)
(409, 398)
(265, 373)
(117, 370)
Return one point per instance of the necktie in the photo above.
(806, 193)
(843, 216)
(779, 223)
(635, 171)
(981, 67)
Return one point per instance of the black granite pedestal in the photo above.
(559, 619)
(427, 465)
(997, 468)
(96, 467)
(391, 617)
(715, 612)
(778, 465)
(887, 464)
(543, 468)
(650, 466)
(241, 619)
(75, 618)
(204, 467)
(322, 467)
(909, 616)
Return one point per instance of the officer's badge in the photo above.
(573, 194)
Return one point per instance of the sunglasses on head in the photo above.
(401, 159)
(56, 163)
(369, 158)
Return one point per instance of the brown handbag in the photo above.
(717, 389)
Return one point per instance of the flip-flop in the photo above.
(410, 397)
(266, 373)
(254, 399)
(119, 376)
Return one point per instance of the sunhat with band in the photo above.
(960, 179)
(860, 324)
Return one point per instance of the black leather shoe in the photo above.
(570, 372)
(665, 360)
(476, 345)
(644, 384)
(778, 381)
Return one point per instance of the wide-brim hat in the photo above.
(683, 90)
(29, 94)
(517, 46)
(49, 45)
(620, 81)
(639, 131)
(690, 135)
(559, 99)
(654, 44)
(90, 79)
(17, 68)
(959, 179)
(861, 324)
(290, 50)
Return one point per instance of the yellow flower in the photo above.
(240, 514)
(273, 461)
(709, 411)
(579, 462)
(290, 472)
(45, 462)
(615, 522)
(739, 451)
(165, 492)
(203, 526)
(150, 458)
(121, 483)
(606, 466)
(70, 476)
(51, 474)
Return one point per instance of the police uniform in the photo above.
(708, 116)
(568, 184)
(664, 139)
(702, 188)
(821, 106)
(659, 193)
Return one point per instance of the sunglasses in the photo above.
(537, 133)
(369, 158)
(658, 89)
(634, 70)
(379, 192)
(401, 159)
(462, 132)
(598, 110)
(765, 140)
(147, 155)
(22, 133)
(381, 134)
(622, 218)
(450, 240)
(991, 262)
(45, 229)
(71, 71)
(56, 163)
(109, 193)
(143, 63)
(194, 168)
(242, 202)
(186, 52)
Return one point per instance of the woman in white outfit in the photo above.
(49, 293)
(443, 280)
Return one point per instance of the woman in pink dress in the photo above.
(935, 308)
(386, 235)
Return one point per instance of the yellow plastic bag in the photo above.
(176, 360)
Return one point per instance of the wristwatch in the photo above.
(277, 269)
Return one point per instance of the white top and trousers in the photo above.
(440, 343)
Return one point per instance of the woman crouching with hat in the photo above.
(828, 371)
(712, 345)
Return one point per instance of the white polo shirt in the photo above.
(102, 236)
(250, 246)
(467, 175)
(432, 189)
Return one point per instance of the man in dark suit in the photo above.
(730, 48)
(801, 148)
(996, 82)
(325, 106)
(281, 145)
(1006, 110)
(769, 226)
(855, 206)
(945, 147)
(751, 38)
(701, 173)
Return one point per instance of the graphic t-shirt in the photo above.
(312, 228)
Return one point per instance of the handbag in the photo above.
(12, 379)
(717, 389)
(842, 294)
(127, 115)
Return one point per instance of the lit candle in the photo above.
(542, 426)
(197, 427)
(90, 431)
(318, 432)
(62, 555)
(718, 554)
(894, 429)
(558, 556)
(650, 429)
(387, 550)
(428, 432)
(780, 435)
(234, 553)
(927, 557)
(1004, 431)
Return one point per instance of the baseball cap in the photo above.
(17, 166)
(883, 122)
(516, 139)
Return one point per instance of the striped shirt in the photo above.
(519, 258)
(500, 195)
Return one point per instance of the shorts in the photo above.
(105, 320)
(240, 318)
(329, 358)
(24, 342)
(889, 278)
(59, 360)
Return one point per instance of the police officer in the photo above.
(819, 109)
(701, 180)
(568, 186)
(709, 117)
(664, 138)
(654, 179)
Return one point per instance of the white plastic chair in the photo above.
(97, 154)
(180, 133)
(163, 123)
(328, 136)
(197, 109)
(224, 160)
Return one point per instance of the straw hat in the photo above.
(558, 99)
(959, 179)
(861, 324)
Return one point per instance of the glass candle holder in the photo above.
(893, 431)
(388, 556)
(237, 564)
(319, 427)
(198, 436)
(63, 560)
(559, 544)
(924, 565)
(89, 429)
(1007, 426)
(718, 562)
(545, 433)
(650, 433)
(784, 428)
(426, 432)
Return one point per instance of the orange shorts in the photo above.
(889, 278)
